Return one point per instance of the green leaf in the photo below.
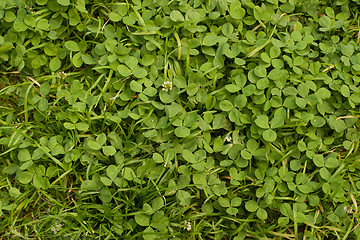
(9, 16)
(207, 207)
(55, 64)
(115, 17)
(43, 24)
(105, 195)
(147, 59)
(210, 40)
(275, 74)
(129, 174)
(14, 192)
(277, 121)
(157, 203)
(177, 16)
(157, 158)
(139, 72)
(149, 234)
(269, 135)
(324, 173)
(150, 91)
(183, 197)
(318, 160)
(109, 150)
(124, 70)
(159, 221)
(94, 145)
(151, 133)
(236, 11)
(260, 71)
(265, 57)
(304, 188)
(19, 25)
(251, 206)
(24, 155)
(318, 121)
(236, 201)
(58, 149)
(200, 180)
(89, 185)
(101, 139)
(323, 93)
(261, 214)
(192, 89)
(25, 177)
(131, 62)
(263, 83)
(182, 132)
(347, 50)
(300, 102)
(345, 91)
(239, 61)
(232, 88)
(41, 2)
(240, 101)
(225, 105)
(77, 60)
(246, 154)
(190, 119)
(72, 46)
(147, 209)
(169, 154)
(88, 59)
(262, 121)
(219, 121)
(43, 104)
(275, 52)
(112, 171)
(325, 23)
(106, 181)
(330, 12)
(26, 165)
(37, 154)
(232, 211)
(188, 156)
(227, 29)
(338, 124)
(81, 126)
(80, 5)
(224, 202)
(302, 146)
(64, 2)
(287, 7)
(332, 162)
(135, 86)
(355, 97)
(69, 126)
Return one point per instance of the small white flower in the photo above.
(348, 209)
(166, 165)
(55, 229)
(167, 86)
(59, 225)
(61, 75)
(228, 138)
(187, 225)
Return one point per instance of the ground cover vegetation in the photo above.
(182, 119)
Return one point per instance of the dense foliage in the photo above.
(182, 119)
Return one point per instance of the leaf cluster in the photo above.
(179, 119)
